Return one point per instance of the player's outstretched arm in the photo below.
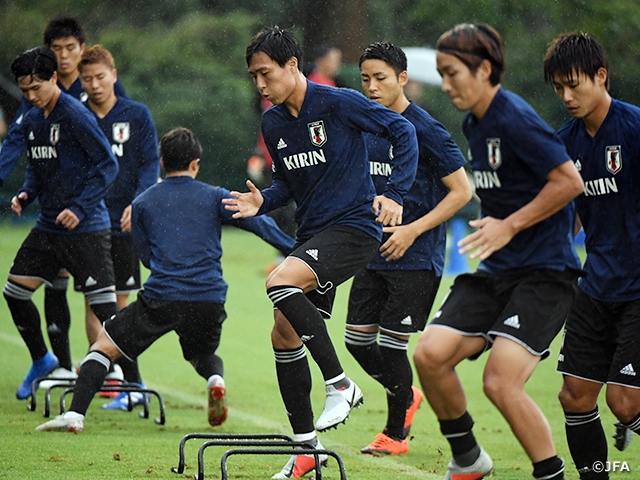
(244, 204)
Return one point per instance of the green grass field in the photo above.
(119, 445)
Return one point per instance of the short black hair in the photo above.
(278, 43)
(37, 62)
(471, 43)
(575, 53)
(178, 148)
(388, 53)
(63, 26)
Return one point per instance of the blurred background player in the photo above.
(70, 168)
(177, 227)
(518, 299)
(66, 38)
(130, 129)
(326, 64)
(393, 295)
(314, 134)
(602, 333)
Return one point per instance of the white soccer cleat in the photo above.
(63, 423)
(338, 405)
(480, 468)
(299, 465)
(60, 376)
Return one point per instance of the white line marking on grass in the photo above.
(12, 339)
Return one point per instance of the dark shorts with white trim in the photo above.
(198, 325)
(85, 255)
(396, 301)
(334, 255)
(528, 308)
(601, 342)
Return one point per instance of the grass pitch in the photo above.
(120, 445)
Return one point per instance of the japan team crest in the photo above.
(54, 133)
(493, 153)
(613, 158)
(120, 132)
(317, 133)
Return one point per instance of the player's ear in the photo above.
(403, 78)
(162, 163)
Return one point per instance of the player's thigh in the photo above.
(367, 299)
(336, 254)
(36, 259)
(126, 266)
(589, 340)
(87, 256)
(537, 307)
(411, 294)
(201, 328)
(626, 358)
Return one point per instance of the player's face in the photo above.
(275, 83)
(464, 88)
(38, 93)
(98, 80)
(580, 94)
(380, 82)
(68, 50)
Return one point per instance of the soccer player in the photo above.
(315, 134)
(65, 36)
(517, 300)
(129, 127)
(70, 168)
(602, 333)
(393, 295)
(185, 291)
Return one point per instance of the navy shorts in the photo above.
(334, 255)
(601, 342)
(198, 325)
(396, 301)
(85, 255)
(528, 308)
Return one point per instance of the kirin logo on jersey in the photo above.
(54, 133)
(494, 156)
(613, 158)
(120, 132)
(317, 133)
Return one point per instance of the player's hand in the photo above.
(491, 235)
(388, 212)
(18, 202)
(244, 204)
(67, 219)
(125, 220)
(402, 237)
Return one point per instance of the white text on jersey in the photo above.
(484, 179)
(600, 186)
(301, 160)
(378, 168)
(44, 152)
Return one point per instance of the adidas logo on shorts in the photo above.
(406, 320)
(512, 322)
(628, 370)
(131, 282)
(90, 282)
(281, 144)
(313, 253)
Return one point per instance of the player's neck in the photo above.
(401, 104)
(67, 80)
(296, 99)
(594, 120)
(52, 103)
(484, 102)
(101, 110)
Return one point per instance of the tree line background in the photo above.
(185, 60)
